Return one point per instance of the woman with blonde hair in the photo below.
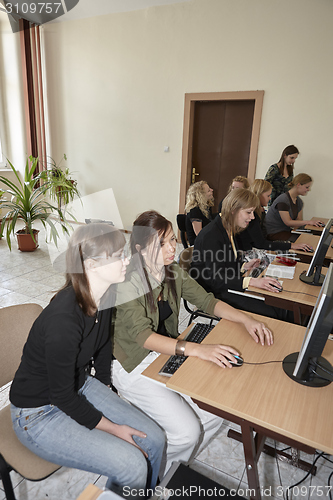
(286, 211)
(198, 208)
(216, 264)
(255, 235)
(237, 182)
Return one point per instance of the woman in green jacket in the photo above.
(146, 324)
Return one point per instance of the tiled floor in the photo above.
(30, 277)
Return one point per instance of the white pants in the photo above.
(188, 428)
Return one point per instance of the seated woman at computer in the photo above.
(147, 324)
(286, 212)
(198, 208)
(280, 174)
(59, 411)
(237, 182)
(216, 264)
(254, 236)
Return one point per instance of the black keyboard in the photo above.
(197, 334)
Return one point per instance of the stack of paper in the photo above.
(280, 272)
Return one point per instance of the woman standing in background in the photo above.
(281, 173)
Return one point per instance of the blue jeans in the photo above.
(51, 434)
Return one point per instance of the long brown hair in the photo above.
(289, 150)
(236, 200)
(89, 241)
(146, 227)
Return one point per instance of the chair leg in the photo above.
(6, 481)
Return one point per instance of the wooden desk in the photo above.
(312, 239)
(91, 492)
(318, 230)
(261, 399)
(296, 295)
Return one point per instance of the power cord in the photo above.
(290, 488)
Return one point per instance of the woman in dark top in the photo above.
(287, 210)
(216, 264)
(198, 208)
(255, 234)
(281, 173)
(59, 411)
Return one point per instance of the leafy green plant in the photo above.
(28, 203)
(61, 187)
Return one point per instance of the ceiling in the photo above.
(91, 8)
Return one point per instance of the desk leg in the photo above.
(252, 448)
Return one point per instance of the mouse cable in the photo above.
(303, 293)
(264, 362)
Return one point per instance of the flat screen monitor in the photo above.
(308, 367)
(313, 275)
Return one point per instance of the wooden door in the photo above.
(221, 134)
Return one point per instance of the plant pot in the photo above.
(25, 241)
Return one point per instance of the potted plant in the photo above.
(27, 202)
(61, 187)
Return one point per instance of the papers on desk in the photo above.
(284, 272)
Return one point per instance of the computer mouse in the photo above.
(309, 250)
(278, 288)
(238, 360)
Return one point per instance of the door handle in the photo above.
(193, 175)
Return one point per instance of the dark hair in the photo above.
(89, 241)
(289, 150)
(146, 227)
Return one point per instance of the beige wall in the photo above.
(11, 95)
(116, 88)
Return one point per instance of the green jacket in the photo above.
(135, 322)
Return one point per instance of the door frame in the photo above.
(190, 100)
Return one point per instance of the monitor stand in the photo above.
(315, 279)
(319, 379)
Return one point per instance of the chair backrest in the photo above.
(15, 324)
(181, 218)
(185, 258)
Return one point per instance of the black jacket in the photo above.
(214, 265)
(253, 236)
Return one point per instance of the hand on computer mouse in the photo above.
(270, 284)
(317, 223)
(218, 354)
(301, 246)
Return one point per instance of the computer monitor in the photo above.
(308, 367)
(313, 275)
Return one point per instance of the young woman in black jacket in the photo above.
(216, 263)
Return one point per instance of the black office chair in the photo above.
(185, 259)
(182, 228)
